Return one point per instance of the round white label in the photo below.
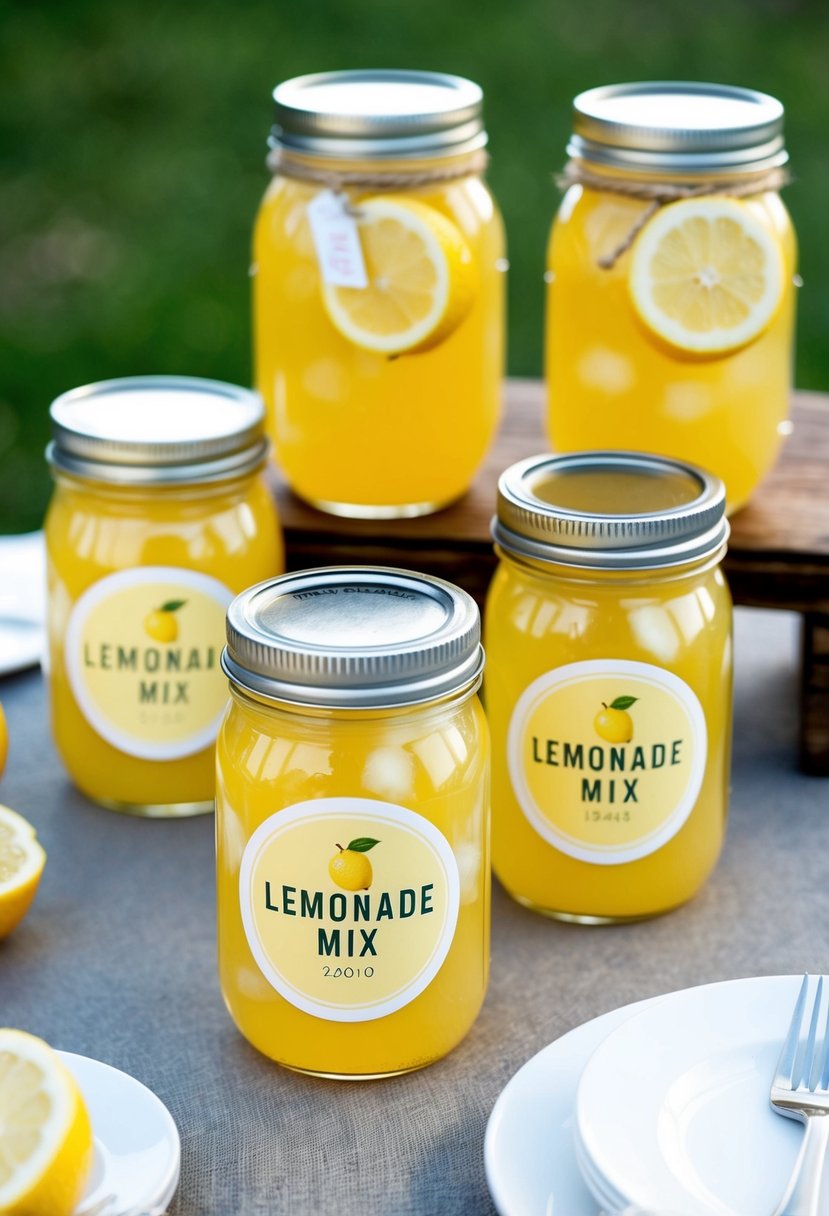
(142, 657)
(607, 758)
(349, 905)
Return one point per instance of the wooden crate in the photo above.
(778, 556)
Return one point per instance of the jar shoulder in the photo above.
(152, 506)
(83, 528)
(468, 201)
(401, 758)
(586, 217)
(666, 618)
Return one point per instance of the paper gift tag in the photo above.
(336, 240)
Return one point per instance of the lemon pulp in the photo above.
(21, 864)
(45, 1133)
(706, 275)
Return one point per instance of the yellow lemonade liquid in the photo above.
(352, 844)
(139, 576)
(356, 431)
(613, 384)
(572, 768)
(678, 343)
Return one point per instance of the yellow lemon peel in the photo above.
(4, 740)
(21, 864)
(46, 1142)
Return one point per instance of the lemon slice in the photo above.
(421, 280)
(45, 1133)
(21, 865)
(4, 740)
(706, 275)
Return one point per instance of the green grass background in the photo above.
(133, 139)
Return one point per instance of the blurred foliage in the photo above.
(133, 143)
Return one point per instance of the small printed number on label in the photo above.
(149, 717)
(348, 973)
(601, 816)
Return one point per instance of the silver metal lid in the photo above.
(610, 511)
(682, 128)
(152, 430)
(376, 114)
(353, 637)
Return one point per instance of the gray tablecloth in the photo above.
(116, 961)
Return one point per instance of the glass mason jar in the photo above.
(608, 631)
(378, 291)
(160, 516)
(353, 821)
(671, 270)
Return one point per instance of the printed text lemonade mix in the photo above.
(616, 759)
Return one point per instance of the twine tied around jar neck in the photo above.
(283, 163)
(657, 194)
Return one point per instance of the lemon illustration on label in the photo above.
(613, 723)
(350, 868)
(161, 624)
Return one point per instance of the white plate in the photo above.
(528, 1151)
(673, 1107)
(137, 1150)
(21, 645)
(22, 601)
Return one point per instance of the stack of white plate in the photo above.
(137, 1152)
(661, 1107)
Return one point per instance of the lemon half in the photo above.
(4, 740)
(45, 1133)
(21, 865)
(706, 275)
(421, 279)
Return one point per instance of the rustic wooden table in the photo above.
(778, 555)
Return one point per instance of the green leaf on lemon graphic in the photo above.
(613, 723)
(161, 624)
(350, 868)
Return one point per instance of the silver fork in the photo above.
(800, 1090)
